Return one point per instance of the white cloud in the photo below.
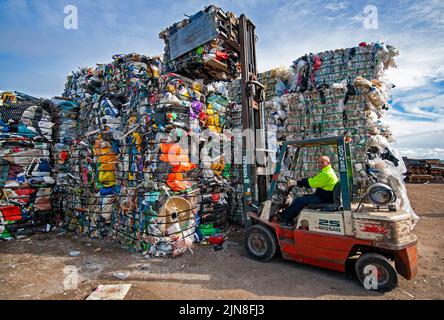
(417, 138)
(336, 6)
(426, 13)
(422, 153)
(421, 60)
(426, 103)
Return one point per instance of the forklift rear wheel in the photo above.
(386, 275)
(260, 243)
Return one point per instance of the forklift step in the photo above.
(287, 227)
(287, 241)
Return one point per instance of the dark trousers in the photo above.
(320, 196)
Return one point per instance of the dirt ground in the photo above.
(37, 267)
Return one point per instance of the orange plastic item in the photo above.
(172, 153)
(176, 183)
(180, 162)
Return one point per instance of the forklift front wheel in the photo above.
(376, 272)
(260, 243)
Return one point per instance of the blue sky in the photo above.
(36, 52)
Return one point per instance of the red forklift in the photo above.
(374, 238)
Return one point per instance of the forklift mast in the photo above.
(254, 145)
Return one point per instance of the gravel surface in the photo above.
(41, 267)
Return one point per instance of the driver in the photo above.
(324, 182)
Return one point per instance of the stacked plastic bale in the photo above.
(26, 181)
(293, 116)
(235, 215)
(160, 198)
(161, 184)
(162, 190)
(66, 132)
(92, 192)
(344, 93)
(83, 86)
(216, 161)
(326, 103)
(234, 92)
(206, 47)
(143, 221)
(213, 55)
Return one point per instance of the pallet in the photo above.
(420, 178)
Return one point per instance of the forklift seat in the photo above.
(330, 207)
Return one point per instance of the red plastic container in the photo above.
(216, 240)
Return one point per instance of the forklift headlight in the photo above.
(380, 194)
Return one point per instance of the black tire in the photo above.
(260, 243)
(387, 278)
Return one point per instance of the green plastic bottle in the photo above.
(208, 229)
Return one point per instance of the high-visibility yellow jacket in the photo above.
(326, 179)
